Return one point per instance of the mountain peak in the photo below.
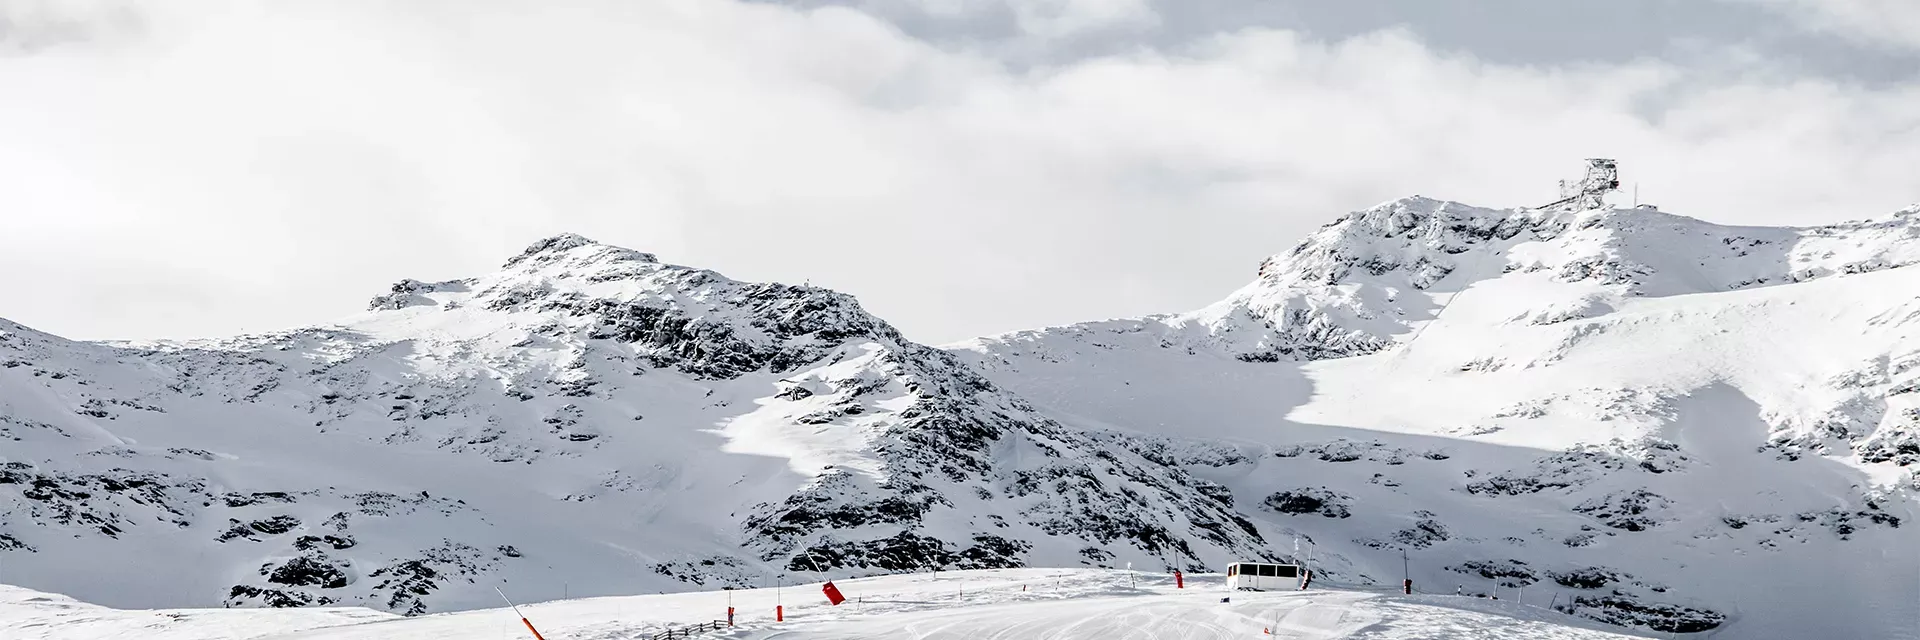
(551, 246)
(556, 247)
(1413, 231)
(563, 256)
(1351, 286)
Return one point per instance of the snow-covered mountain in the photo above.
(1672, 421)
(1666, 422)
(587, 420)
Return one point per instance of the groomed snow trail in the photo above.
(1022, 604)
(1317, 615)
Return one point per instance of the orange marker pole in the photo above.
(516, 611)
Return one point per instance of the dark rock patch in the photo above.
(1626, 611)
(1326, 502)
(1508, 573)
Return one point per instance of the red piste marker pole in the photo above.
(833, 594)
(516, 611)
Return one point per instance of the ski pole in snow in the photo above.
(516, 611)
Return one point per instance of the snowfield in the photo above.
(1030, 604)
(1648, 421)
(26, 614)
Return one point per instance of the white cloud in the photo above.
(1894, 23)
(247, 165)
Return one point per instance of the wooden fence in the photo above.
(689, 631)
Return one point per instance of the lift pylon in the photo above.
(1589, 192)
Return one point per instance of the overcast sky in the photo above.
(196, 168)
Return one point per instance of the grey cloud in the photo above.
(1831, 38)
(1890, 24)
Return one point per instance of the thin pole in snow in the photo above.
(510, 604)
(813, 561)
(516, 611)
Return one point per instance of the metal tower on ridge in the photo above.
(1590, 192)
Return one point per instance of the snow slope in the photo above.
(1670, 419)
(1026, 604)
(27, 614)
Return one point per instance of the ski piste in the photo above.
(999, 603)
